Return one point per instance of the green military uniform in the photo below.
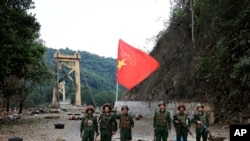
(180, 130)
(200, 131)
(88, 127)
(125, 125)
(162, 123)
(108, 124)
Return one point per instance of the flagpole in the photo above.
(116, 93)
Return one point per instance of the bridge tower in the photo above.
(72, 63)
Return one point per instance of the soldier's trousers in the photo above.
(106, 134)
(88, 135)
(125, 134)
(161, 133)
(181, 132)
(200, 134)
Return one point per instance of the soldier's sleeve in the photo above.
(82, 125)
(169, 121)
(96, 125)
(132, 121)
(114, 123)
(194, 120)
(207, 119)
(154, 120)
(117, 116)
(175, 124)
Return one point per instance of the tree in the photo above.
(21, 50)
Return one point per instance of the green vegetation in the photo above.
(22, 65)
(27, 67)
(224, 65)
(99, 72)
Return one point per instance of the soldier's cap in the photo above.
(200, 105)
(107, 105)
(124, 107)
(90, 108)
(181, 105)
(162, 102)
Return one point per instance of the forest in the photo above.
(27, 66)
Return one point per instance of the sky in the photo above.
(97, 25)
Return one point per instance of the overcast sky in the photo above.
(97, 25)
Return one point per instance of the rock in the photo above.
(59, 126)
(15, 139)
(13, 117)
(54, 110)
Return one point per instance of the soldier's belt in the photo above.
(89, 128)
(162, 126)
(106, 128)
(198, 126)
(125, 128)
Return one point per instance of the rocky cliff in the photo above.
(175, 79)
(223, 44)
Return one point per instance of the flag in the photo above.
(133, 65)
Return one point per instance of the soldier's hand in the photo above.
(199, 122)
(80, 135)
(177, 121)
(169, 131)
(113, 132)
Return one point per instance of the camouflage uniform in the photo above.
(200, 131)
(162, 123)
(180, 130)
(89, 126)
(108, 124)
(125, 125)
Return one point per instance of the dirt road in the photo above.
(39, 128)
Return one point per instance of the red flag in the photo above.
(133, 65)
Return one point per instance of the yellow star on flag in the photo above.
(121, 63)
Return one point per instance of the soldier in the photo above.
(200, 118)
(125, 124)
(183, 123)
(89, 125)
(108, 124)
(162, 123)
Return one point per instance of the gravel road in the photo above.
(41, 128)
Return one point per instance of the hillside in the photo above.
(197, 64)
(98, 70)
(100, 73)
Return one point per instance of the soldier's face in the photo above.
(125, 111)
(181, 109)
(90, 112)
(162, 107)
(106, 110)
(200, 109)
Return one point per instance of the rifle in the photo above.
(204, 127)
(183, 125)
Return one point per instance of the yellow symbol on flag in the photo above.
(121, 63)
